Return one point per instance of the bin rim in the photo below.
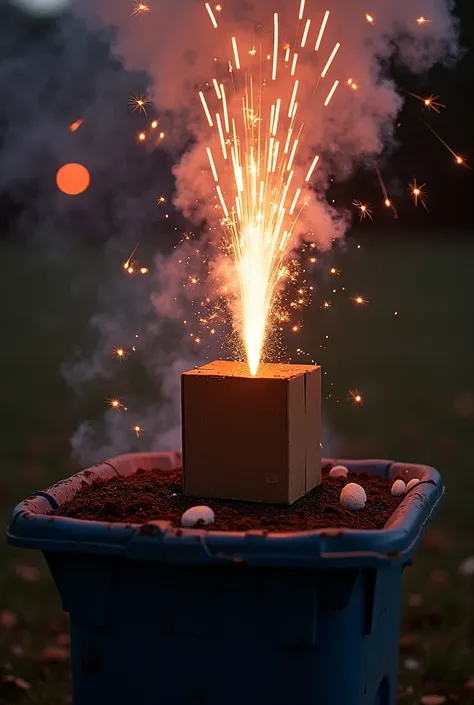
(33, 526)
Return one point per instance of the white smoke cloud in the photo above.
(177, 45)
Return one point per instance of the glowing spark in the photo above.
(140, 8)
(211, 162)
(326, 304)
(388, 203)
(364, 210)
(301, 10)
(143, 270)
(160, 200)
(458, 159)
(75, 125)
(115, 404)
(295, 201)
(120, 353)
(142, 136)
(236, 51)
(312, 167)
(331, 93)
(305, 33)
(139, 103)
(255, 169)
(138, 430)
(275, 46)
(360, 301)
(370, 19)
(430, 102)
(321, 30)
(216, 88)
(330, 60)
(154, 124)
(334, 271)
(355, 396)
(422, 20)
(293, 65)
(126, 264)
(418, 194)
(292, 101)
(211, 14)
(206, 109)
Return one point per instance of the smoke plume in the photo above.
(74, 69)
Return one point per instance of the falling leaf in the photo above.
(433, 700)
(18, 682)
(8, 619)
(28, 573)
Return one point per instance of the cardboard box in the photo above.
(251, 438)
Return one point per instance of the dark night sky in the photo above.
(419, 154)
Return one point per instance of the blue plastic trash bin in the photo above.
(163, 616)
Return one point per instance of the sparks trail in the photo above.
(458, 159)
(257, 117)
(387, 201)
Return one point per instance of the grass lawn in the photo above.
(414, 369)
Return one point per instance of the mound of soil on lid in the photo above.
(154, 494)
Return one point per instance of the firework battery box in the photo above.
(254, 438)
(190, 617)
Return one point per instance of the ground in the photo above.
(408, 352)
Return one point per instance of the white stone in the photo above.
(398, 488)
(412, 483)
(353, 497)
(338, 471)
(197, 515)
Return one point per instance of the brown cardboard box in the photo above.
(251, 438)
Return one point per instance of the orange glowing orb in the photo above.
(73, 179)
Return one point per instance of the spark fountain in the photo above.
(257, 115)
(292, 594)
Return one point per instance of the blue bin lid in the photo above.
(32, 525)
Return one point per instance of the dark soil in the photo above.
(154, 494)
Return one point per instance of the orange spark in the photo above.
(321, 30)
(364, 210)
(370, 19)
(422, 20)
(138, 430)
(141, 136)
(418, 194)
(331, 93)
(120, 353)
(211, 14)
(115, 404)
(330, 60)
(355, 396)
(140, 8)
(360, 301)
(139, 103)
(75, 125)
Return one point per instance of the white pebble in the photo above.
(353, 496)
(412, 483)
(197, 515)
(338, 471)
(398, 488)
